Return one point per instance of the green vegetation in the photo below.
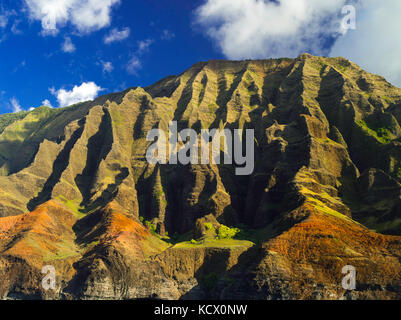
(316, 199)
(160, 196)
(342, 68)
(8, 119)
(213, 108)
(280, 60)
(373, 224)
(177, 238)
(20, 134)
(329, 141)
(223, 237)
(397, 170)
(91, 245)
(319, 205)
(64, 250)
(208, 226)
(151, 227)
(318, 64)
(382, 134)
(214, 243)
(225, 232)
(74, 206)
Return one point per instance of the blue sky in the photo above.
(31, 63)
(50, 47)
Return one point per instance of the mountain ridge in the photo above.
(325, 192)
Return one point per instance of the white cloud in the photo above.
(47, 103)
(14, 27)
(85, 15)
(5, 16)
(107, 66)
(117, 35)
(85, 92)
(262, 29)
(144, 45)
(68, 46)
(375, 44)
(15, 105)
(134, 65)
(167, 35)
(20, 66)
(3, 21)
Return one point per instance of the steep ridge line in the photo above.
(325, 191)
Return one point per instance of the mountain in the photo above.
(77, 192)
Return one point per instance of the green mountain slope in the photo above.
(325, 190)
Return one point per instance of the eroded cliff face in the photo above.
(77, 193)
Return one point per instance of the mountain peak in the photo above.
(326, 178)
